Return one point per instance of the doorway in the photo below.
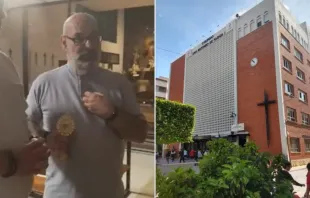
(242, 140)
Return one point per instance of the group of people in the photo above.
(103, 108)
(183, 154)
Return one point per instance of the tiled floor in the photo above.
(142, 175)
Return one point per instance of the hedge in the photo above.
(174, 122)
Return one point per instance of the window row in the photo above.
(289, 90)
(293, 31)
(286, 43)
(291, 115)
(295, 145)
(287, 65)
(253, 25)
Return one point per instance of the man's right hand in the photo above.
(32, 158)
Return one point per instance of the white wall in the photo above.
(161, 83)
(45, 28)
(253, 13)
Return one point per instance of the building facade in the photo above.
(250, 81)
(162, 87)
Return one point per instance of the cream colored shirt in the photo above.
(13, 126)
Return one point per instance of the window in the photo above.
(302, 96)
(280, 17)
(305, 119)
(302, 42)
(284, 22)
(292, 29)
(298, 55)
(308, 62)
(307, 145)
(300, 75)
(239, 33)
(294, 144)
(289, 88)
(285, 42)
(287, 64)
(298, 37)
(291, 114)
(162, 89)
(295, 33)
(259, 21)
(287, 25)
(252, 26)
(266, 17)
(246, 29)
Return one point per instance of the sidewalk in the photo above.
(299, 174)
(163, 161)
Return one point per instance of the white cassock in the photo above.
(13, 126)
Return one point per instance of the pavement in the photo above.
(299, 174)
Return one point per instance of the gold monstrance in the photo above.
(65, 127)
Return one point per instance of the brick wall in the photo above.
(296, 129)
(176, 84)
(251, 83)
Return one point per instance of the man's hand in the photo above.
(32, 158)
(98, 104)
(58, 144)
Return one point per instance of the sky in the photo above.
(182, 24)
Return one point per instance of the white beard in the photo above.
(81, 68)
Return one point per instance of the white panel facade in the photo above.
(209, 83)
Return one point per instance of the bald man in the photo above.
(103, 107)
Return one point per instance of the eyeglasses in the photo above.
(82, 41)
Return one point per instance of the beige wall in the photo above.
(45, 28)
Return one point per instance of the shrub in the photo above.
(174, 122)
(228, 171)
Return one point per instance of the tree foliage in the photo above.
(174, 122)
(228, 171)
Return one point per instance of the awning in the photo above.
(216, 135)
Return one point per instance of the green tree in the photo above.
(174, 122)
(228, 171)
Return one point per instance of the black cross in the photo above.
(266, 104)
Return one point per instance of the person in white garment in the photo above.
(19, 158)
